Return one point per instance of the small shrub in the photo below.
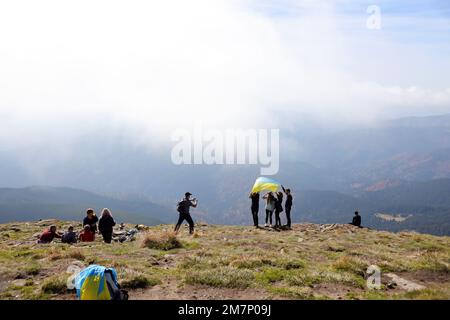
(162, 241)
(293, 292)
(329, 276)
(302, 279)
(76, 254)
(347, 263)
(139, 281)
(431, 261)
(221, 277)
(23, 253)
(427, 294)
(29, 282)
(54, 254)
(292, 264)
(32, 269)
(271, 275)
(250, 263)
(55, 285)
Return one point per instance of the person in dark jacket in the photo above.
(183, 209)
(48, 235)
(69, 236)
(288, 206)
(91, 220)
(106, 224)
(278, 209)
(255, 207)
(356, 221)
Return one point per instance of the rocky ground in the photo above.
(233, 262)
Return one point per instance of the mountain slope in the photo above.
(233, 262)
(426, 204)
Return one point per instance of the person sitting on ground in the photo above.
(48, 235)
(69, 236)
(356, 220)
(106, 224)
(86, 235)
(254, 196)
(183, 209)
(91, 220)
(288, 206)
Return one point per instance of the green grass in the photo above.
(350, 264)
(164, 241)
(226, 277)
(55, 285)
(322, 265)
(271, 275)
(139, 281)
(32, 269)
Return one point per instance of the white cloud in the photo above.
(66, 67)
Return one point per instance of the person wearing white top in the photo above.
(270, 206)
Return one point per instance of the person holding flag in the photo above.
(254, 196)
(266, 184)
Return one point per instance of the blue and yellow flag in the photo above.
(263, 183)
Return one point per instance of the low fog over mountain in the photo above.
(394, 167)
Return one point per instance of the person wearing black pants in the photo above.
(288, 206)
(278, 209)
(183, 209)
(270, 206)
(105, 225)
(188, 218)
(255, 207)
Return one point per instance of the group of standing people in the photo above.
(90, 228)
(274, 204)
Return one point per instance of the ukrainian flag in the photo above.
(91, 283)
(263, 183)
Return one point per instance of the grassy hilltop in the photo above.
(233, 262)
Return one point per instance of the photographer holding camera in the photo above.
(183, 209)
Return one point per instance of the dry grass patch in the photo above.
(161, 241)
(32, 269)
(350, 264)
(55, 285)
(221, 277)
(76, 254)
(139, 281)
(250, 263)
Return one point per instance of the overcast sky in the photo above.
(66, 67)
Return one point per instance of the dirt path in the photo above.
(172, 290)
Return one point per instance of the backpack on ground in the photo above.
(99, 283)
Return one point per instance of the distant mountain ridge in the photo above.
(426, 204)
(32, 203)
(442, 120)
